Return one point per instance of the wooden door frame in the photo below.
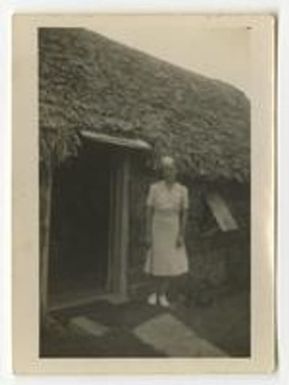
(119, 227)
(46, 185)
(118, 245)
(120, 285)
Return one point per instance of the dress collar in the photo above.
(169, 189)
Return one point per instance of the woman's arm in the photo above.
(183, 225)
(183, 221)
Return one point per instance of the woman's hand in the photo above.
(180, 240)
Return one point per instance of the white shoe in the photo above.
(164, 301)
(152, 299)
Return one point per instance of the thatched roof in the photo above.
(89, 82)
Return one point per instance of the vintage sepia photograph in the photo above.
(144, 194)
(144, 149)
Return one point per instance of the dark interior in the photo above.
(80, 221)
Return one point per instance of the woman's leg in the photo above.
(155, 284)
(160, 290)
(163, 290)
(153, 297)
(163, 286)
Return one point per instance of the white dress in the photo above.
(164, 257)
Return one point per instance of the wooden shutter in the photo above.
(221, 212)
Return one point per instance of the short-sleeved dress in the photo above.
(164, 257)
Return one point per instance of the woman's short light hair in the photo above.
(167, 161)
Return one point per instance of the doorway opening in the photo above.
(81, 211)
(89, 226)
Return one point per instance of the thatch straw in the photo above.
(90, 82)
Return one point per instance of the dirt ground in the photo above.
(221, 317)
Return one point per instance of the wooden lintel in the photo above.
(136, 144)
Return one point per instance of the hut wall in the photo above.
(219, 257)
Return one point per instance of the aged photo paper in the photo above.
(143, 193)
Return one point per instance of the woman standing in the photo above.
(167, 206)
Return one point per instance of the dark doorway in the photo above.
(80, 226)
